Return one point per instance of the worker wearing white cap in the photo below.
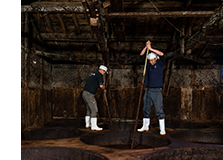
(92, 84)
(154, 83)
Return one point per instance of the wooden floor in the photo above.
(123, 154)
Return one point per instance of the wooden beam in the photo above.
(189, 34)
(60, 57)
(62, 7)
(96, 13)
(35, 28)
(161, 14)
(167, 4)
(193, 58)
(26, 48)
(175, 55)
(74, 16)
(188, 3)
(215, 51)
(61, 22)
(148, 5)
(48, 23)
(203, 50)
(50, 55)
(206, 27)
(71, 7)
(200, 35)
(118, 24)
(182, 37)
(106, 3)
(74, 38)
(61, 36)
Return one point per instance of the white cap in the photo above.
(104, 68)
(152, 56)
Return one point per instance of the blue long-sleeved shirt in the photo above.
(154, 73)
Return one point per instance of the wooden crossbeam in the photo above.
(168, 4)
(60, 57)
(188, 3)
(26, 30)
(119, 26)
(61, 22)
(73, 37)
(157, 14)
(74, 16)
(63, 7)
(193, 58)
(200, 35)
(205, 28)
(94, 11)
(48, 23)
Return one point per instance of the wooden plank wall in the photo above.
(207, 104)
(35, 107)
(122, 103)
(39, 106)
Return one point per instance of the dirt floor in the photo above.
(184, 140)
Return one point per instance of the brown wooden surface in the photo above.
(35, 107)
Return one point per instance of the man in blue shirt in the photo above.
(154, 83)
(92, 84)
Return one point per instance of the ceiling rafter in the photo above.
(200, 35)
(118, 24)
(48, 23)
(167, 4)
(64, 7)
(94, 11)
(73, 37)
(206, 27)
(160, 14)
(60, 57)
(75, 19)
(61, 21)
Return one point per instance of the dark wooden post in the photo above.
(26, 48)
(182, 39)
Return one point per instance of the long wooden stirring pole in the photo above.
(140, 97)
(108, 109)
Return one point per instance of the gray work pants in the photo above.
(153, 96)
(91, 103)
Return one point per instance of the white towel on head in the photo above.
(152, 56)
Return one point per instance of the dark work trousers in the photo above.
(153, 96)
(91, 103)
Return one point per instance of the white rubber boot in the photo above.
(162, 127)
(87, 121)
(94, 126)
(145, 127)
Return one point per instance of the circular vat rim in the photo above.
(185, 153)
(210, 136)
(124, 138)
(48, 133)
(62, 153)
